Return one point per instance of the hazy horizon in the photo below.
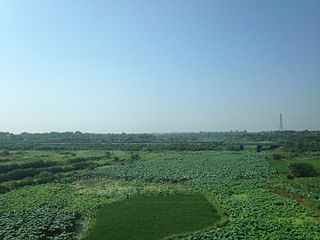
(159, 66)
(173, 132)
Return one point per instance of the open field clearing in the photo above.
(153, 217)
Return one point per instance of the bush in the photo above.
(5, 153)
(3, 189)
(107, 154)
(45, 177)
(300, 169)
(135, 157)
(21, 173)
(58, 169)
(83, 165)
(290, 176)
(77, 160)
(278, 156)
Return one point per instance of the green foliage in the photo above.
(23, 168)
(19, 174)
(301, 169)
(55, 211)
(32, 164)
(83, 165)
(278, 156)
(134, 157)
(3, 189)
(45, 177)
(206, 166)
(48, 211)
(236, 180)
(5, 153)
(290, 176)
(280, 165)
(292, 141)
(306, 189)
(107, 154)
(37, 213)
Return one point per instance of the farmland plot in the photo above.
(153, 217)
(237, 181)
(237, 184)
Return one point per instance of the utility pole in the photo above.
(281, 123)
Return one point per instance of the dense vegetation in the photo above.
(292, 141)
(301, 169)
(237, 181)
(61, 194)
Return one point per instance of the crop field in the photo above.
(153, 217)
(156, 195)
(281, 166)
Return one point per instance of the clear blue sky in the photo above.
(159, 66)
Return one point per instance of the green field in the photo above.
(153, 217)
(281, 166)
(97, 194)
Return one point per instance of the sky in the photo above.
(140, 66)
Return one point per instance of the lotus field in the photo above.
(249, 200)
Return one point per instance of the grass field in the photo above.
(281, 166)
(153, 217)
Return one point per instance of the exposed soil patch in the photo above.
(301, 199)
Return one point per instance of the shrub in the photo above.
(77, 160)
(290, 176)
(277, 156)
(21, 173)
(5, 153)
(135, 157)
(107, 154)
(45, 177)
(299, 169)
(3, 189)
(58, 169)
(83, 165)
